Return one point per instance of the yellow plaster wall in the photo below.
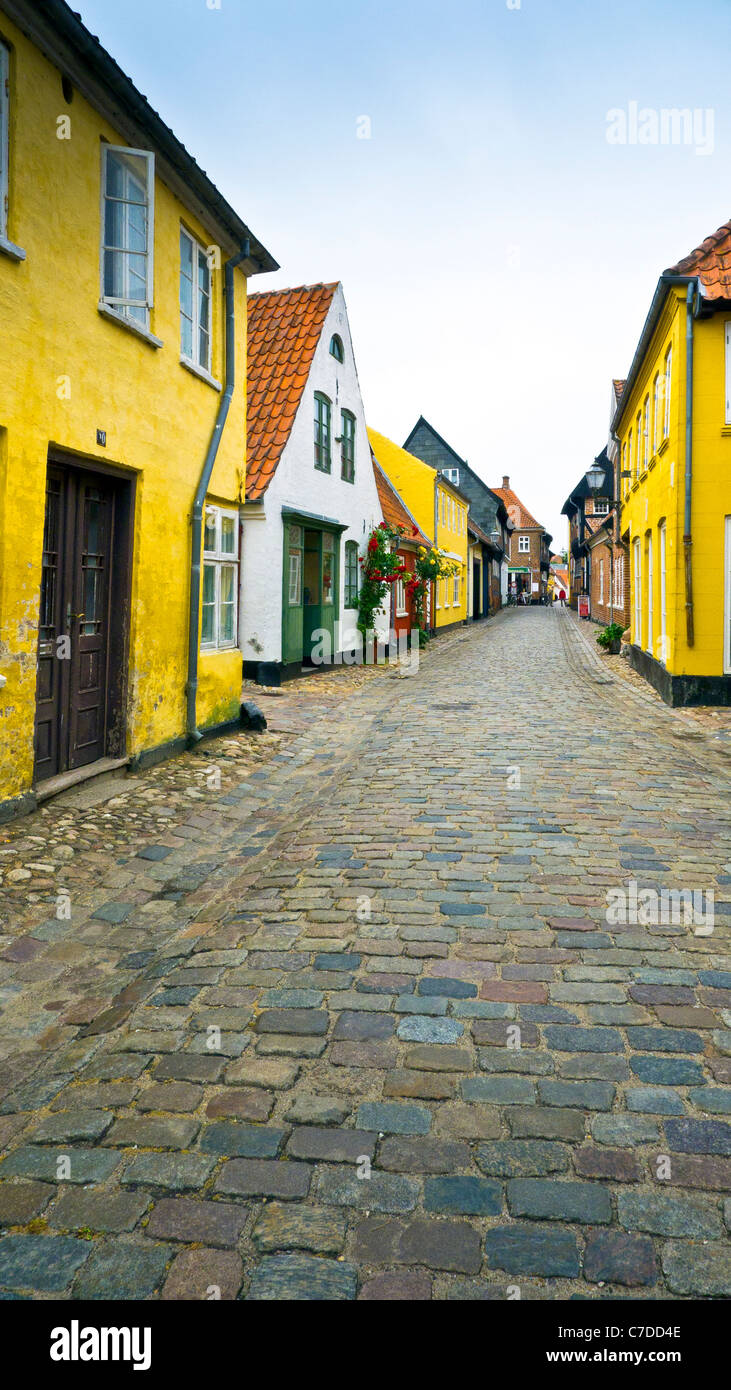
(68, 372)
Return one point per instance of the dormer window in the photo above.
(336, 348)
(452, 474)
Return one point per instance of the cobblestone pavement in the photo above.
(382, 1042)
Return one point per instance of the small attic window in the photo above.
(336, 348)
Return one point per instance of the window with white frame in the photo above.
(650, 592)
(444, 509)
(656, 412)
(455, 591)
(220, 579)
(625, 481)
(727, 599)
(452, 474)
(195, 302)
(637, 595)
(638, 459)
(400, 597)
(128, 180)
(662, 537)
(601, 506)
(668, 385)
(728, 367)
(601, 581)
(618, 582)
(629, 460)
(524, 545)
(646, 432)
(438, 592)
(4, 136)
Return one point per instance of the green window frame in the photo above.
(336, 348)
(323, 432)
(347, 446)
(351, 574)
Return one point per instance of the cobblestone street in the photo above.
(353, 1022)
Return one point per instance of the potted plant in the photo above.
(611, 638)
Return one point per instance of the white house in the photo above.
(311, 499)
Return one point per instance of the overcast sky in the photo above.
(498, 240)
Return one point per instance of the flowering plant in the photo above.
(380, 567)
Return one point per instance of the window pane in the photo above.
(186, 255)
(208, 623)
(186, 336)
(228, 535)
(209, 534)
(186, 295)
(295, 578)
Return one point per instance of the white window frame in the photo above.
(638, 424)
(619, 582)
(637, 571)
(4, 137)
(601, 506)
(630, 466)
(668, 390)
(524, 549)
(650, 596)
(455, 591)
(646, 432)
(727, 331)
(444, 509)
(122, 304)
(197, 249)
(452, 474)
(662, 544)
(655, 411)
(400, 587)
(438, 593)
(221, 559)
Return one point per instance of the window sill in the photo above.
(726, 429)
(665, 444)
(108, 313)
(320, 468)
(652, 462)
(219, 651)
(9, 249)
(201, 372)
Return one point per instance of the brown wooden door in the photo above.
(72, 699)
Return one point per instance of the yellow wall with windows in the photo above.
(452, 513)
(655, 494)
(69, 372)
(412, 479)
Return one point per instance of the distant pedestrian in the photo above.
(562, 598)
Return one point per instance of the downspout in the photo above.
(191, 689)
(687, 535)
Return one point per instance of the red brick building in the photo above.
(529, 560)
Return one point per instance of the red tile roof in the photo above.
(520, 514)
(711, 261)
(395, 511)
(284, 328)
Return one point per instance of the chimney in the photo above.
(506, 481)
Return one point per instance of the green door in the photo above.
(319, 591)
(292, 607)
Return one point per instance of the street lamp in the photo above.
(595, 477)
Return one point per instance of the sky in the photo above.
(472, 173)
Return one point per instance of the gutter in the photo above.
(690, 314)
(191, 690)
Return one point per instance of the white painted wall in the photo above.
(297, 483)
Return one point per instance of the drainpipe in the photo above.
(687, 536)
(191, 689)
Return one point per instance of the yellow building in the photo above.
(123, 282)
(441, 511)
(673, 430)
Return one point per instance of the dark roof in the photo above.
(582, 489)
(459, 462)
(59, 33)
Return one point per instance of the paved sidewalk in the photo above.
(387, 1045)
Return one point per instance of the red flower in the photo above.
(372, 544)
